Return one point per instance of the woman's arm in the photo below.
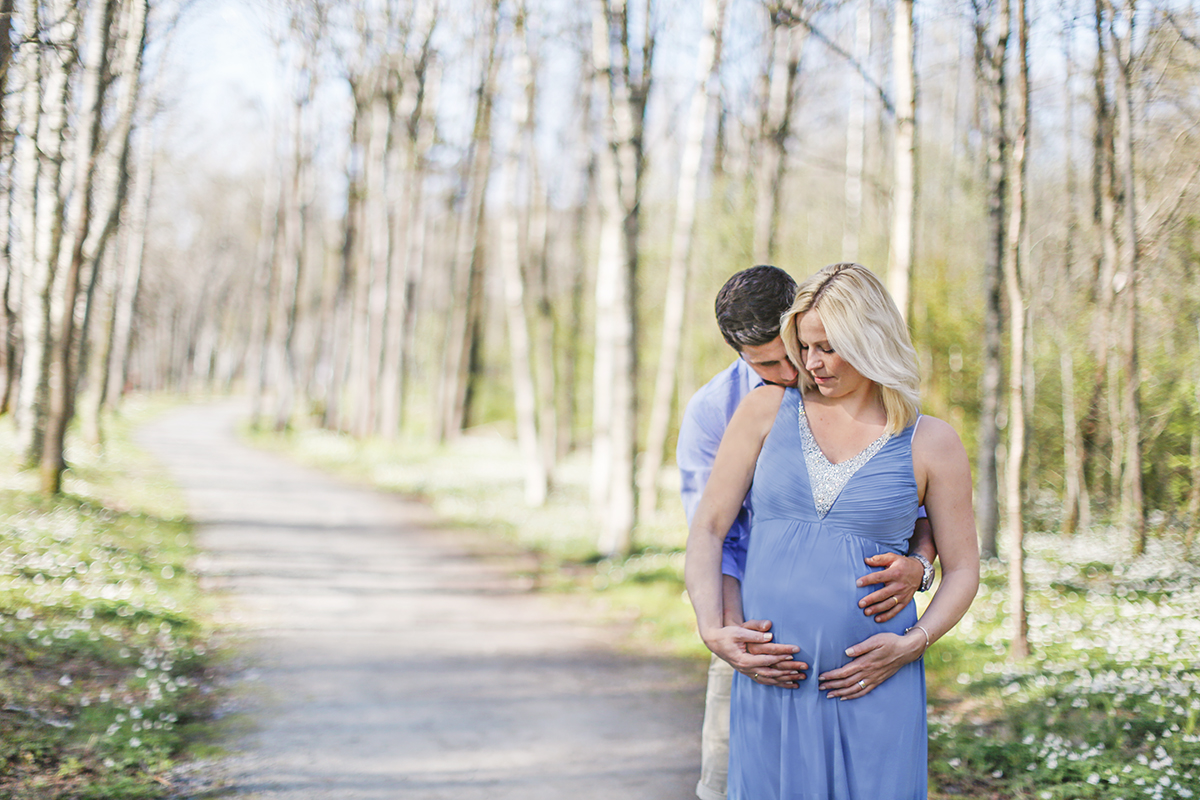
(943, 471)
(723, 496)
(943, 475)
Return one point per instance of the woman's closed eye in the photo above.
(826, 350)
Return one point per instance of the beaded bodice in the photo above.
(828, 479)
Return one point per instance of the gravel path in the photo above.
(391, 661)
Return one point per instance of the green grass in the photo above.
(1106, 707)
(105, 653)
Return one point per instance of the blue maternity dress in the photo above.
(814, 523)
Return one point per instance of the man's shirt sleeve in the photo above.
(700, 435)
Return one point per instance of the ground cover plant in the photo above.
(1107, 707)
(105, 657)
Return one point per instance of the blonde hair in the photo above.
(866, 329)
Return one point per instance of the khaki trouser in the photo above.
(714, 737)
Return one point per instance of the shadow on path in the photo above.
(389, 663)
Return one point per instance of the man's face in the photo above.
(771, 363)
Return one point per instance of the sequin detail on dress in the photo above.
(827, 479)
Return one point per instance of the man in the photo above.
(748, 309)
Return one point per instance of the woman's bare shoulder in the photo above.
(936, 437)
(760, 406)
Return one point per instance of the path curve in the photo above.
(390, 662)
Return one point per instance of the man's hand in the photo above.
(748, 649)
(901, 578)
(874, 661)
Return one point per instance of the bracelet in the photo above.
(922, 630)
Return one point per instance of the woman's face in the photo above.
(832, 374)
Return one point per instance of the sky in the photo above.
(220, 78)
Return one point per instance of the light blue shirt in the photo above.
(704, 422)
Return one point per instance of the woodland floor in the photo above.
(383, 655)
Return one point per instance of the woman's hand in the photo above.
(874, 661)
(751, 652)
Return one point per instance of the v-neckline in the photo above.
(826, 479)
(804, 420)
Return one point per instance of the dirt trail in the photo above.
(389, 662)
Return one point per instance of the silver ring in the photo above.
(862, 684)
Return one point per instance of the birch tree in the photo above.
(990, 60)
(1018, 330)
(462, 343)
(687, 195)
(42, 136)
(787, 46)
(622, 88)
(524, 394)
(856, 128)
(1132, 498)
(11, 291)
(904, 190)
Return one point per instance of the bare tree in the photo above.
(9, 339)
(686, 197)
(1076, 500)
(990, 59)
(904, 190)
(524, 393)
(856, 128)
(788, 36)
(1018, 323)
(463, 331)
(1132, 500)
(622, 87)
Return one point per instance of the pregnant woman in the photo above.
(837, 469)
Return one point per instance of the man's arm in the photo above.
(901, 576)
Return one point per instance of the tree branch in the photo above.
(787, 15)
(1184, 35)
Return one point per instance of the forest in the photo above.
(455, 214)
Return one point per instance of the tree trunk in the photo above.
(524, 394)
(584, 216)
(544, 327)
(48, 299)
(1076, 513)
(1076, 503)
(117, 371)
(622, 92)
(376, 270)
(990, 60)
(788, 46)
(1105, 333)
(12, 282)
(467, 301)
(1132, 502)
(856, 132)
(264, 289)
(400, 185)
(295, 239)
(342, 338)
(35, 276)
(1018, 326)
(683, 236)
(904, 190)
(418, 225)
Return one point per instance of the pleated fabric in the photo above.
(797, 744)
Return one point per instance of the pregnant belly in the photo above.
(802, 577)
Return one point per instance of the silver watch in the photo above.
(927, 571)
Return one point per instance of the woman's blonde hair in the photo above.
(866, 329)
